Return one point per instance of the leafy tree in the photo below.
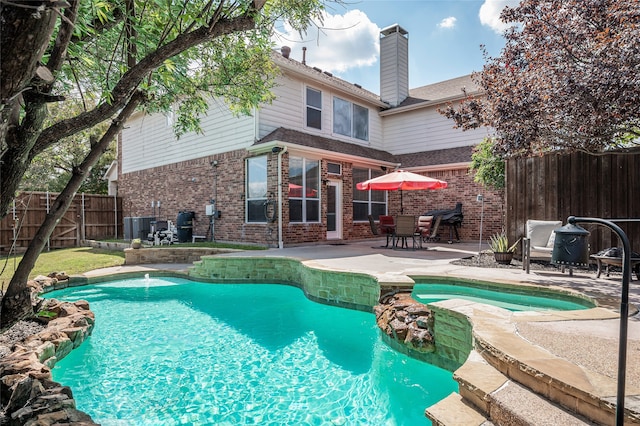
(52, 169)
(115, 56)
(488, 166)
(566, 79)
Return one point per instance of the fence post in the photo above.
(83, 234)
(48, 239)
(115, 215)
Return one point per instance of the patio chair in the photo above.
(405, 228)
(424, 227)
(384, 229)
(538, 241)
(387, 227)
(432, 236)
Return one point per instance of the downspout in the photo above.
(280, 242)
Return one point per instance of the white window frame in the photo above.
(369, 201)
(312, 107)
(303, 198)
(351, 121)
(252, 196)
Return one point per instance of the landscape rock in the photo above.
(28, 394)
(407, 321)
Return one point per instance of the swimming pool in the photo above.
(170, 351)
(507, 297)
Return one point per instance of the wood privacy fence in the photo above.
(89, 217)
(556, 186)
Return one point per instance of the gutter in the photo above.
(283, 149)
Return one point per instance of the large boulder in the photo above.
(406, 321)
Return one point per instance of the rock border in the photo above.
(28, 394)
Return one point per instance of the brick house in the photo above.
(286, 174)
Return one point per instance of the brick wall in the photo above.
(190, 185)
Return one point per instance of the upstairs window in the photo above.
(350, 119)
(314, 108)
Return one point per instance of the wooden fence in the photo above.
(556, 186)
(89, 217)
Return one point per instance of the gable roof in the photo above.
(413, 160)
(327, 78)
(447, 90)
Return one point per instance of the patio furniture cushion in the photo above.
(538, 241)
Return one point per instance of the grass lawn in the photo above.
(82, 259)
(72, 261)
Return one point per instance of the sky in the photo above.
(445, 38)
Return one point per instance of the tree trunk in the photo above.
(14, 302)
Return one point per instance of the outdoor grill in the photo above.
(449, 217)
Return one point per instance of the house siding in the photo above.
(149, 141)
(394, 68)
(289, 109)
(425, 130)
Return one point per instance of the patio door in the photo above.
(334, 210)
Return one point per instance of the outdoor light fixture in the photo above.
(571, 248)
(276, 149)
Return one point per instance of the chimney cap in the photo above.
(395, 28)
(286, 50)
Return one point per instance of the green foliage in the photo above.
(488, 166)
(46, 314)
(565, 80)
(52, 169)
(499, 243)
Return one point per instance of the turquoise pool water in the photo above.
(505, 298)
(175, 352)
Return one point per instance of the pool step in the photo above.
(585, 393)
(453, 410)
(487, 393)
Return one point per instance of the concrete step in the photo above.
(515, 405)
(505, 402)
(454, 410)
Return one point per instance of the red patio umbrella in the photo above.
(401, 180)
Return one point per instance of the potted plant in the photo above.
(502, 251)
(136, 243)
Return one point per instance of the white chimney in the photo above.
(394, 64)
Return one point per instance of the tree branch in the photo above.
(132, 78)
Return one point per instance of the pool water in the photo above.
(175, 352)
(508, 299)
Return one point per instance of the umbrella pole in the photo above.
(401, 206)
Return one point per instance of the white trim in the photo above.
(323, 153)
(426, 104)
(439, 167)
(337, 234)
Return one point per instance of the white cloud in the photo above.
(449, 22)
(490, 13)
(342, 42)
